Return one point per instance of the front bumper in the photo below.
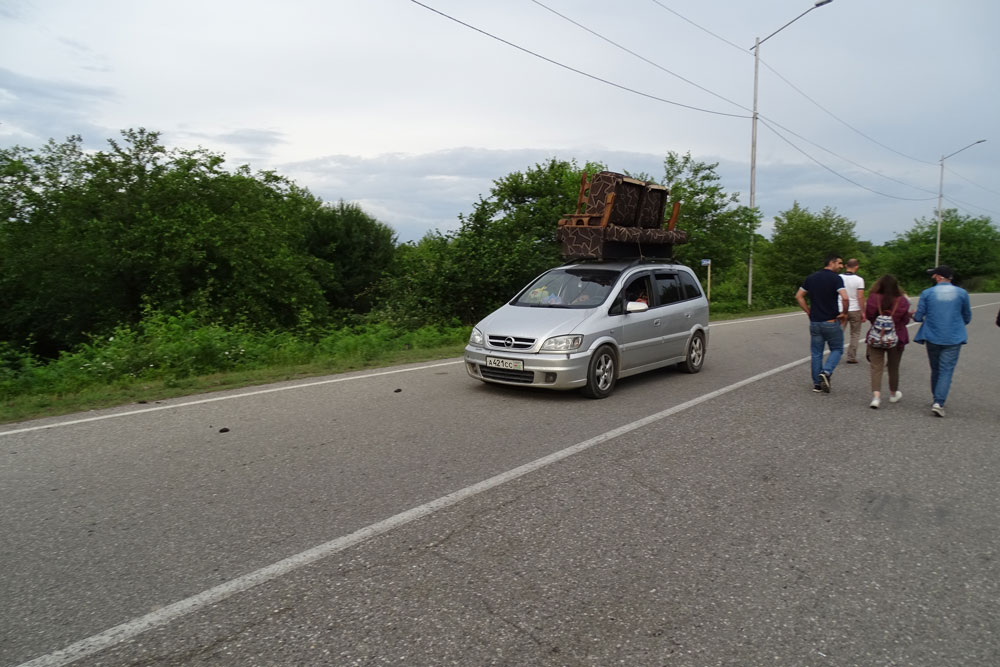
(550, 371)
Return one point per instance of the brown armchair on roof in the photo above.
(619, 217)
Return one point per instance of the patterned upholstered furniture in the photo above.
(619, 217)
(618, 194)
(652, 206)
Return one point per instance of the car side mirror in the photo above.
(636, 307)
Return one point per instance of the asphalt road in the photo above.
(414, 516)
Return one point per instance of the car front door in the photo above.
(642, 332)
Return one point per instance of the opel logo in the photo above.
(508, 342)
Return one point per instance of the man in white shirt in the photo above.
(855, 286)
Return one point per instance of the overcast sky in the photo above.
(412, 114)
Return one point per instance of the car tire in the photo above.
(602, 373)
(695, 357)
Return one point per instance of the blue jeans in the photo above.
(823, 334)
(943, 359)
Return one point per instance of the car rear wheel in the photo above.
(695, 356)
(601, 373)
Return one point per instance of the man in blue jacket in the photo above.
(943, 312)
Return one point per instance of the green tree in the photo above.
(718, 227)
(508, 239)
(91, 241)
(355, 250)
(969, 244)
(800, 242)
(418, 289)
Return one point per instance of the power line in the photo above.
(840, 120)
(848, 160)
(983, 187)
(838, 174)
(719, 113)
(794, 87)
(640, 57)
(703, 29)
(646, 60)
(956, 202)
(575, 70)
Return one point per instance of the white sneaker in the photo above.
(938, 409)
(875, 403)
(895, 397)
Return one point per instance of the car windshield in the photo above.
(579, 287)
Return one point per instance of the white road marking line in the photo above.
(126, 631)
(748, 320)
(224, 398)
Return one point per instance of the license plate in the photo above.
(508, 364)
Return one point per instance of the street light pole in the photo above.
(937, 245)
(753, 135)
(753, 166)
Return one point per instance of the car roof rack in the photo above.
(628, 261)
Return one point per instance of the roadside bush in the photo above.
(174, 347)
(159, 346)
(356, 344)
(436, 336)
(17, 370)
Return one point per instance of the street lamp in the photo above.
(753, 137)
(937, 246)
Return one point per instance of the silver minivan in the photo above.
(585, 325)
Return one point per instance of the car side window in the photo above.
(692, 289)
(637, 289)
(669, 288)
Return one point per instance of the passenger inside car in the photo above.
(637, 292)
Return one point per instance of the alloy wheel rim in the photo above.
(604, 369)
(697, 351)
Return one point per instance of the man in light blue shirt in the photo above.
(943, 312)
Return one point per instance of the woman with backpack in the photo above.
(888, 310)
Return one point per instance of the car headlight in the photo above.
(476, 338)
(563, 343)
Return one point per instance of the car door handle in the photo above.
(656, 323)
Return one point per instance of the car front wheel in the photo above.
(601, 373)
(695, 356)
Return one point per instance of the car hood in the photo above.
(538, 323)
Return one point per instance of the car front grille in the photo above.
(510, 342)
(505, 375)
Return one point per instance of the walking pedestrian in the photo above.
(943, 312)
(886, 298)
(855, 286)
(824, 288)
